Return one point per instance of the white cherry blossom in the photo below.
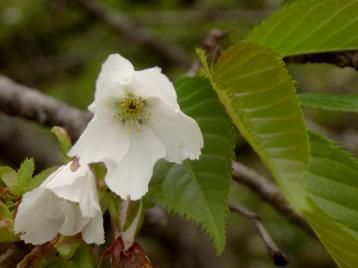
(66, 203)
(136, 122)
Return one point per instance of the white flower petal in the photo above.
(104, 139)
(117, 68)
(93, 232)
(179, 133)
(78, 187)
(32, 221)
(116, 73)
(74, 222)
(129, 233)
(151, 82)
(66, 202)
(131, 176)
(68, 177)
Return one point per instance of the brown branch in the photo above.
(212, 47)
(125, 25)
(276, 254)
(269, 193)
(174, 18)
(340, 59)
(12, 253)
(30, 104)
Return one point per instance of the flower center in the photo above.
(131, 108)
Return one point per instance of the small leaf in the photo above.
(6, 231)
(24, 176)
(198, 190)
(310, 26)
(64, 141)
(200, 53)
(40, 177)
(4, 211)
(332, 102)
(8, 176)
(6, 225)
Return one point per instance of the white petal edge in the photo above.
(77, 186)
(179, 133)
(60, 206)
(32, 221)
(74, 222)
(130, 177)
(116, 73)
(104, 139)
(151, 82)
(93, 232)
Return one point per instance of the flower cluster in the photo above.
(136, 121)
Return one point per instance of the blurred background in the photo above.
(57, 47)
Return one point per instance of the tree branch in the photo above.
(269, 193)
(125, 25)
(341, 59)
(276, 254)
(30, 104)
(187, 17)
(212, 47)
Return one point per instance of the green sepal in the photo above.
(67, 246)
(8, 176)
(6, 225)
(64, 141)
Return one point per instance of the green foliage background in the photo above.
(54, 46)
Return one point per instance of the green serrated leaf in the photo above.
(4, 211)
(64, 141)
(24, 176)
(6, 231)
(200, 53)
(8, 176)
(6, 225)
(310, 26)
(40, 177)
(330, 101)
(198, 190)
(332, 185)
(259, 95)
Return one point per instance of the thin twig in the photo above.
(174, 18)
(269, 193)
(212, 47)
(125, 25)
(30, 104)
(276, 254)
